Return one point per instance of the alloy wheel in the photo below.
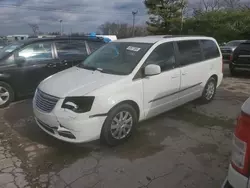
(4, 95)
(121, 125)
(210, 90)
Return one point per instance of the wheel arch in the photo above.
(215, 77)
(132, 103)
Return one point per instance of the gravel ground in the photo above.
(186, 147)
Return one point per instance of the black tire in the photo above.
(232, 70)
(204, 98)
(106, 134)
(9, 89)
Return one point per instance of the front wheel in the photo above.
(6, 94)
(119, 124)
(209, 91)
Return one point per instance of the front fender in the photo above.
(105, 102)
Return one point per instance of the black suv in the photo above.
(24, 64)
(241, 58)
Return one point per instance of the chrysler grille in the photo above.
(44, 101)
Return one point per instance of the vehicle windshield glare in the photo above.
(9, 48)
(116, 57)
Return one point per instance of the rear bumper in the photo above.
(235, 179)
(241, 66)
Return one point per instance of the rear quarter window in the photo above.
(210, 49)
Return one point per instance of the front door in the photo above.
(38, 64)
(161, 91)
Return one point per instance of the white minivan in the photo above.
(124, 82)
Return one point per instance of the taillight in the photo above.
(231, 57)
(241, 145)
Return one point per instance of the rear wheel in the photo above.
(6, 94)
(209, 91)
(119, 125)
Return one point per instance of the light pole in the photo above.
(61, 27)
(134, 13)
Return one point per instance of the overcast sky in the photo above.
(78, 15)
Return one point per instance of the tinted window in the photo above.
(37, 51)
(243, 49)
(210, 49)
(163, 56)
(69, 49)
(190, 52)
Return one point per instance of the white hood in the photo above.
(76, 82)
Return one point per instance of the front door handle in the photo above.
(51, 65)
(65, 62)
(184, 73)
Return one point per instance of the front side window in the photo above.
(190, 52)
(116, 57)
(71, 49)
(210, 49)
(36, 52)
(164, 56)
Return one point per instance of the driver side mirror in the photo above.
(152, 69)
(20, 60)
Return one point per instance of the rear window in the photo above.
(243, 49)
(210, 49)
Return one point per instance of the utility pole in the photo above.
(61, 32)
(134, 14)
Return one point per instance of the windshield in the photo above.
(234, 43)
(116, 57)
(8, 49)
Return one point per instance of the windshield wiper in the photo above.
(87, 67)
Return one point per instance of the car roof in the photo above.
(32, 40)
(157, 38)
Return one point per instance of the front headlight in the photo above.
(78, 104)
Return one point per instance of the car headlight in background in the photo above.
(78, 104)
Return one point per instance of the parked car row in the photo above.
(124, 82)
(24, 64)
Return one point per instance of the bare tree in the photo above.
(35, 28)
(211, 5)
(232, 4)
